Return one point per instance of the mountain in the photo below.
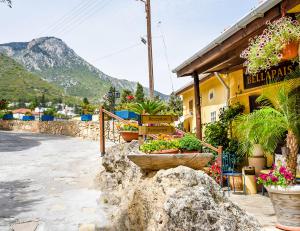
(55, 62)
(16, 83)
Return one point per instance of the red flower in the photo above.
(130, 97)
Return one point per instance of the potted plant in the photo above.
(129, 131)
(189, 143)
(279, 42)
(160, 146)
(28, 117)
(7, 115)
(280, 117)
(48, 115)
(87, 110)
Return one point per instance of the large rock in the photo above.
(176, 199)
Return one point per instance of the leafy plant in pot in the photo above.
(280, 116)
(189, 144)
(129, 131)
(161, 146)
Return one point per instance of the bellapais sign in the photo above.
(275, 74)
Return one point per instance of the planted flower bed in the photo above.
(129, 131)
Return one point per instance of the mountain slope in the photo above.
(52, 59)
(17, 83)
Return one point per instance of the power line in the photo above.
(118, 52)
(80, 7)
(79, 21)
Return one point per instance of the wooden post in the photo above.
(197, 105)
(101, 131)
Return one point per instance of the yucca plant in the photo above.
(278, 116)
(151, 107)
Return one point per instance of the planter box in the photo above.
(47, 118)
(127, 115)
(8, 117)
(129, 136)
(87, 117)
(155, 162)
(28, 118)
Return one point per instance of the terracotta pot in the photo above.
(290, 51)
(129, 136)
(286, 203)
(259, 163)
(167, 151)
(238, 183)
(257, 150)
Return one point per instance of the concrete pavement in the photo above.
(48, 181)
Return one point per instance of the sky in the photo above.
(107, 33)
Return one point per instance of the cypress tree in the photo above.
(139, 93)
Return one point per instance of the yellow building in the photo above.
(218, 72)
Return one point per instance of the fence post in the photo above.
(101, 131)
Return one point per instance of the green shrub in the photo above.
(49, 112)
(190, 143)
(158, 145)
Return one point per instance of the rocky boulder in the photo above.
(176, 199)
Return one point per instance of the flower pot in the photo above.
(236, 182)
(168, 151)
(290, 51)
(28, 118)
(257, 150)
(286, 203)
(129, 136)
(86, 117)
(8, 117)
(258, 162)
(127, 115)
(47, 118)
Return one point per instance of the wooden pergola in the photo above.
(223, 54)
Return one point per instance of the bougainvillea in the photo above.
(264, 51)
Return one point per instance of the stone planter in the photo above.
(286, 203)
(290, 51)
(129, 136)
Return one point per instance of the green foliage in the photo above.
(265, 50)
(49, 112)
(17, 83)
(216, 134)
(228, 114)
(28, 113)
(85, 101)
(139, 93)
(190, 143)
(151, 107)
(269, 125)
(3, 104)
(158, 145)
(175, 105)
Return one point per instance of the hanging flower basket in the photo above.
(278, 42)
(290, 51)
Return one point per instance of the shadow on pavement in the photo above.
(14, 198)
(15, 141)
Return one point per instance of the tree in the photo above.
(85, 101)
(8, 2)
(139, 93)
(43, 100)
(126, 96)
(110, 100)
(21, 103)
(278, 117)
(175, 104)
(151, 107)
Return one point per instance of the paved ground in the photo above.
(259, 206)
(48, 179)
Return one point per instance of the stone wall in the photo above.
(85, 130)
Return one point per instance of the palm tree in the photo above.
(151, 107)
(278, 116)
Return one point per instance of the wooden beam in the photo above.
(197, 105)
(240, 38)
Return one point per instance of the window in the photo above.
(211, 94)
(213, 116)
(191, 106)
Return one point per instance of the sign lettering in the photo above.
(156, 130)
(155, 119)
(275, 74)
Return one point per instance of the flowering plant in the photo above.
(130, 97)
(130, 126)
(215, 172)
(278, 176)
(265, 50)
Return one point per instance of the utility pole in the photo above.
(149, 44)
